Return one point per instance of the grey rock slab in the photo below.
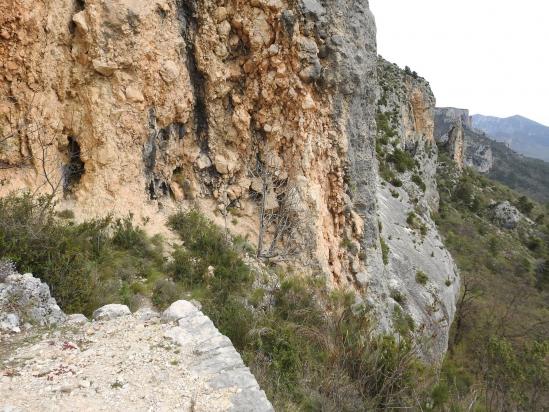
(252, 400)
(10, 323)
(178, 310)
(112, 311)
(506, 215)
(30, 299)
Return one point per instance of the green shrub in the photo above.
(415, 223)
(383, 121)
(396, 182)
(421, 278)
(86, 265)
(402, 160)
(384, 251)
(419, 182)
(398, 297)
(206, 245)
(66, 214)
(165, 292)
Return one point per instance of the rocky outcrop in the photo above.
(230, 107)
(506, 215)
(25, 302)
(127, 362)
(410, 245)
(454, 132)
(478, 153)
(159, 104)
(111, 311)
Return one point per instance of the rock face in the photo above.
(454, 130)
(411, 246)
(129, 362)
(155, 104)
(158, 105)
(25, 300)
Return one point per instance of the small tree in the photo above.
(278, 202)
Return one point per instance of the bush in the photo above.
(85, 265)
(402, 160)
(421, 278)
(165, 292)
(415, 223)
(206, 245)
(384, 251)
(419, 182)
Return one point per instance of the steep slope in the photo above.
(476, 149)
(262, 115)
(417, 275)
(523, 135)
(499, 344)
(157, 105)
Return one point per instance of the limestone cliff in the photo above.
(132, 106)
(454, 130)
(417, 283)
(260, 113)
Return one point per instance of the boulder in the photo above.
(146, 314)
(77, 319)
(179, 310)
(312, 9)
(111, 311)
(506, 215)
(9, 323)
(203, 161)
(27, 298)
(169, 72)
(104, 68)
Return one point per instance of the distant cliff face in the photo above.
(261, 114)
(453, 130)
(522, 135)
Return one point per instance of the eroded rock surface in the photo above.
(25, 300)
(161, 105)
(454, 130)
(154, 105)
(410, 245)
(128, 363)
(506, 215)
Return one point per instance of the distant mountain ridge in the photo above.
(469, 146)
(523, 135)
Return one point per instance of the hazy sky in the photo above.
(490, 56)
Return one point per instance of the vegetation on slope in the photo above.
(523, 174)
(499, 343)
(310, 349)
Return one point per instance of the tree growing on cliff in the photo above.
(278, 202)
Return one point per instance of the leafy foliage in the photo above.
(86, 265)
(498, 346)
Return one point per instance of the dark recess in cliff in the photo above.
(189, 26)
(75, 168)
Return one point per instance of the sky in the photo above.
(488, 56)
